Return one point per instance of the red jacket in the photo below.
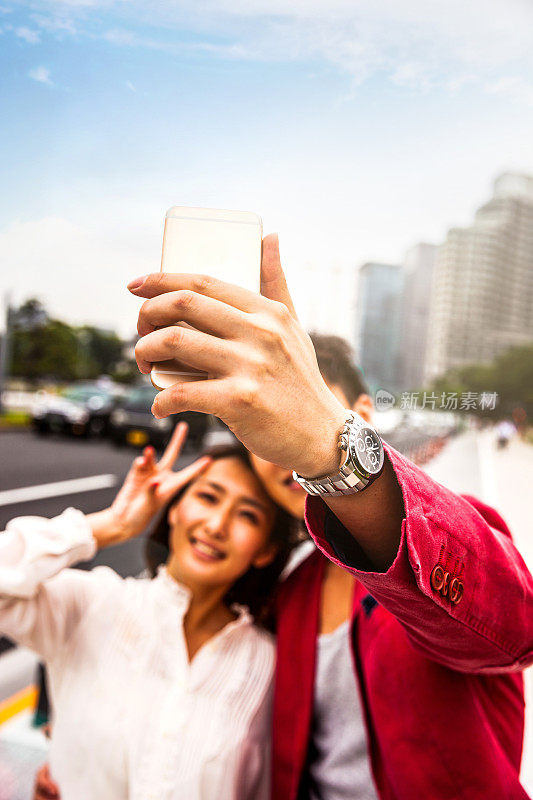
(437, 643)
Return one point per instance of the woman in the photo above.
(160, 688)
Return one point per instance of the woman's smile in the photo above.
(204, 550)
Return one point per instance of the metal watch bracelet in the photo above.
(349, 479)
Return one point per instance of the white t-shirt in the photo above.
(339, 768)
(133, 718)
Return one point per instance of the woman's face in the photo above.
(220, 527)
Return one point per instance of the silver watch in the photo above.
(362, 461)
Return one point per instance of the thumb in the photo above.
(273, 283)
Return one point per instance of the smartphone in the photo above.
(210, 241)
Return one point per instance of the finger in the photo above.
(173, 448)
(202, 312)
(211, 397)
(273, 282)
(163, 282)
(195, 348)
(179, 479)
(149, 457)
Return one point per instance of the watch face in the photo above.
(366, 449)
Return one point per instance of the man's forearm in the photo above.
(374, 517)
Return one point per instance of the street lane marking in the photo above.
(43, 490)
(20, 701)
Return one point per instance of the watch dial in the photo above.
(367, 450)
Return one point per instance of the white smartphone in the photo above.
(210, 241)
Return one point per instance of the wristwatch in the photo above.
(362, 461)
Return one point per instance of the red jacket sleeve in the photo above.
(458, 585)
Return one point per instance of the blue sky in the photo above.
(353, 128)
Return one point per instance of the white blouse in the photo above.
(132, 717)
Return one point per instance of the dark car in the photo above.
(83, 409)
(133, 423)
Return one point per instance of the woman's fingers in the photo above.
(176, 480)
(195, 348)
(174, 447)
(202, 312)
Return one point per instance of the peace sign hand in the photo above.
(148, 486)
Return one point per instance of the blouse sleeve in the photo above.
(41, 601)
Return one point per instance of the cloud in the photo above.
(41, 75)
(30, 36)
(514, 87)
(59, 25)
(413, 43)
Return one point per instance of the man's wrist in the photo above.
(323, 456)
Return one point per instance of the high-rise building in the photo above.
(418, 276)
(378, 315)
(482, 296)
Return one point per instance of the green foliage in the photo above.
(100, 351)
(510, 375)
(48, 348)
(48, 351)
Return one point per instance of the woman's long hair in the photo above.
(255, 588)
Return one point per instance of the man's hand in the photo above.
(45, 788)
(264, 381)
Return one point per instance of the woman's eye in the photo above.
(249, 515)
(209, 498)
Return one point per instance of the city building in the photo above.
(418, 276)
(379, 324)
(482, 295)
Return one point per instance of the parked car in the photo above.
(83, 409)
(133, 423)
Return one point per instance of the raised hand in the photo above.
(264, 381)
(148, 486)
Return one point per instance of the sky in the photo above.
(354, 128)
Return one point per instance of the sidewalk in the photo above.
(471, 464)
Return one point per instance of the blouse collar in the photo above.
(182, 596)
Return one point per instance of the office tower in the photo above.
(418, 276)
(482, 295)
(378, 321)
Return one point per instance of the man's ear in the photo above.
(265, 557)
(364, 407)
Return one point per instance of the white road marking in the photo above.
(57, 489)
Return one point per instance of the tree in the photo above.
(102, 350)
(49, 348)
(48, 351)
(510, 375)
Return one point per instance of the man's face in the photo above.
(279, 482)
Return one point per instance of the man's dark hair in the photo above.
(255, 588)
(336, 361)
